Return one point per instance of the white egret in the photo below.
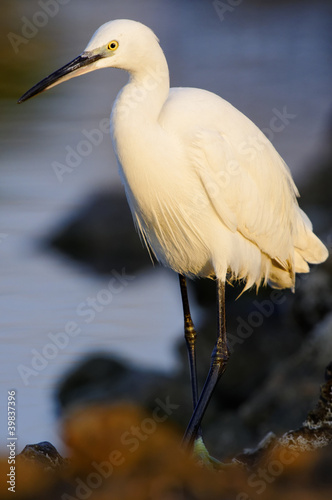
(208, 192)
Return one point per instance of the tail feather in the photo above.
(307, 249)
(300, 264)
(306, 243)
(315, 252)
(280, 276)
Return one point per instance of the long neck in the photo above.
(136, 133)
(145, 93)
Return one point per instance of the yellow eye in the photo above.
(113, 45)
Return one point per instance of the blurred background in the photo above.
(64, 236)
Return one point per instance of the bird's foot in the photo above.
(204, 459)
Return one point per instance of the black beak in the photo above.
(64, 73)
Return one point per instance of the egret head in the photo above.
(122, 43)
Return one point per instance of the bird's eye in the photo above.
(113, 45)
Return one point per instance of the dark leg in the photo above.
(219, 360)
(190, 336)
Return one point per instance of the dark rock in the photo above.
(100, 378)
(313, 299)
(44, 454)
(102, 235)
(315, 432)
